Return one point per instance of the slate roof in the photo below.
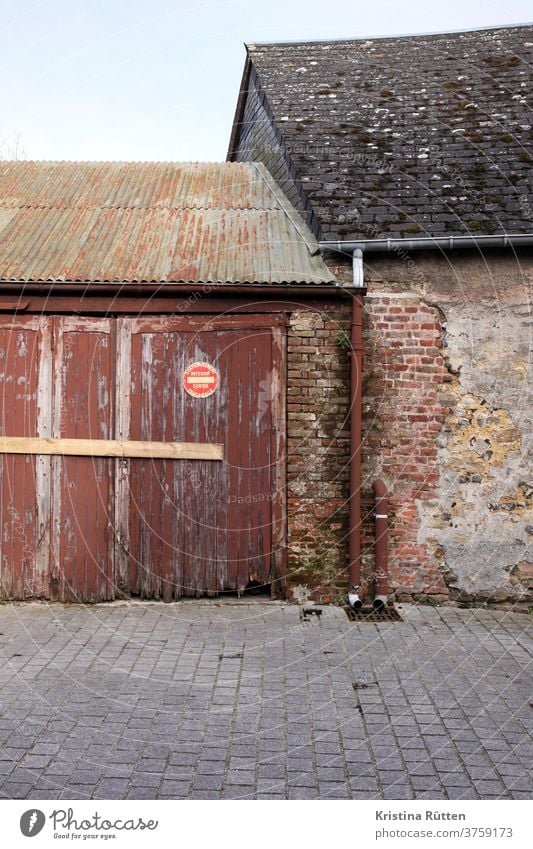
(154, 222)
(406, 137)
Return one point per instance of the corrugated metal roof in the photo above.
(151, 222)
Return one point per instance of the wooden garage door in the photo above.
(96, 528)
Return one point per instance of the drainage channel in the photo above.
(370, 614)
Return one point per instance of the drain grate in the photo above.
(368, 614)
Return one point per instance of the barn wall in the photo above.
(447, 420)
(318, 444)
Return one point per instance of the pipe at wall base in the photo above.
(381, 546)
(354, 599)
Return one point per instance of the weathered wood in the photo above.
(111, 448)
(43, 464)
(279, 463)
(122, 546)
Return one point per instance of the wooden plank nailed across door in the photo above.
(111, 448)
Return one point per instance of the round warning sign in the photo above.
(200, 380)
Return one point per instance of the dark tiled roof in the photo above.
(406, 137)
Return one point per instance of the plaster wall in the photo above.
(448, 408)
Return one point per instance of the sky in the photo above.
(158, 80)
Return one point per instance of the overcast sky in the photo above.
(158, 80)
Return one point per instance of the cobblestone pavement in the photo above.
(245, 700)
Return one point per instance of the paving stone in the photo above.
(333, 790)
(392, 777)
(276, 771)
(398, 793)
(364, 783)
(456, 779)
(77, 791)
(15, 790)
(241, 777)
(303, 793)
(430, 737)
(237, 792)
(302, 779)
(175, 789)
(331, 774)
(241, 763)
(111, 788)
(87, 776)
(489, 788)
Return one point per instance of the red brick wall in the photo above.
(403, 415)
(403, 376)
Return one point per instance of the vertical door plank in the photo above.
(279, 460)
(83, 486)
(43, 463)
(20, 357)
(123, 572)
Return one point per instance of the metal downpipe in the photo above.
(356, 354)
(381, 569)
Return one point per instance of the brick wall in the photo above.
(403, 376)
(446, 424)
(318, 451)
(403, 415)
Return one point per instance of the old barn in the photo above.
(149, 316)
(411, 157)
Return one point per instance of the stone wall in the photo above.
(447, 408)
(318, 450)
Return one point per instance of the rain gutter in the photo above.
(443, 243)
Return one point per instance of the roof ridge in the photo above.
(89, 207)
(290, 211)
(434, 33)
(120, 162)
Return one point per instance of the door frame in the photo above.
(277, 323)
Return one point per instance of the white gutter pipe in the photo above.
(443, 243)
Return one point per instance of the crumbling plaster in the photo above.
(479, 524)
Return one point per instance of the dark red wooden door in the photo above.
(193, 527)
(93, 528)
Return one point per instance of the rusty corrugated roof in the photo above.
(151, 222)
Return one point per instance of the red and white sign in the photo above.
(200, 380)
